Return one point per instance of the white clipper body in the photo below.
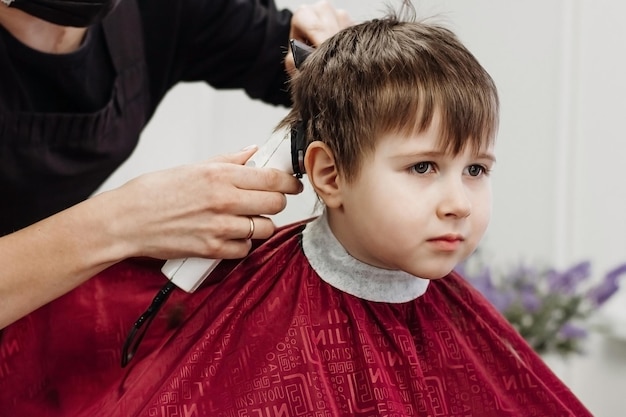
(189, 273)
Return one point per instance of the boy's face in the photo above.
(415, 208)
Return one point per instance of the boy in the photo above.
(356, 312)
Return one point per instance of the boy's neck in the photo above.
(41, 35)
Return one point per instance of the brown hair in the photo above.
(388, 75)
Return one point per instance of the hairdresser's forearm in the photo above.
(51, 257)
(192, 210)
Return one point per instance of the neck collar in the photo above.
(339, 269)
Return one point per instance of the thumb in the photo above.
(238, 158)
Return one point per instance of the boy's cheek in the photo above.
(483, 204)
(481, 215)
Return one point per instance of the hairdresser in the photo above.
(79, 80)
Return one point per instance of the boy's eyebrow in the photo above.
(438, 154)
(485, 155)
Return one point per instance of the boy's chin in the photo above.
(435, 277)
(432, 275)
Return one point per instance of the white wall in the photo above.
(559, 181)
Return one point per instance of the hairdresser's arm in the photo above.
(236, 44)
(193, 210)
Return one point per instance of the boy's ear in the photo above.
(319, 163)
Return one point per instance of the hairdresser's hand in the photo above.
(193, 210)
(315, 23)
(201, 209)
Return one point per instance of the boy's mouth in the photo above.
(448, 242)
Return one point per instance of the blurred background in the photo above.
(560, 180)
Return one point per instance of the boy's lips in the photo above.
(448, 242)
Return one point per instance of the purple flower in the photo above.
(567, 282)
(570, 331)
(461, 270)
(483, 282)
(523, 275)
(547, 306)
(609, 286)
(529, 299)
(501, 300)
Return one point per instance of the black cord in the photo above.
(136, 334)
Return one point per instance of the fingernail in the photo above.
(247, 148)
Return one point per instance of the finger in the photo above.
(232, 249)
(238, 158)
(316, 23)
(236, 241)
(231, 189)
(258, 227)
(344, 19)
(226, 242)
(245, 227)
(251, 231)
(258, 203)
(313, 24)
(266, 179)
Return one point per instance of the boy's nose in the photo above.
(455, 201)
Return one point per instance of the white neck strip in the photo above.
(339, 269)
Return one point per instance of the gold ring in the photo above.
(251, 232)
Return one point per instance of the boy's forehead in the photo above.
(434, 136)
(431, 141)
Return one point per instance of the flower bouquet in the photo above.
(551, 309)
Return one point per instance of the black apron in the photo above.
(50, 161)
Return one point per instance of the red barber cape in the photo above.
(266, 337)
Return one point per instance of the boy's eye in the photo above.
(422, 167)
(475, 170)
